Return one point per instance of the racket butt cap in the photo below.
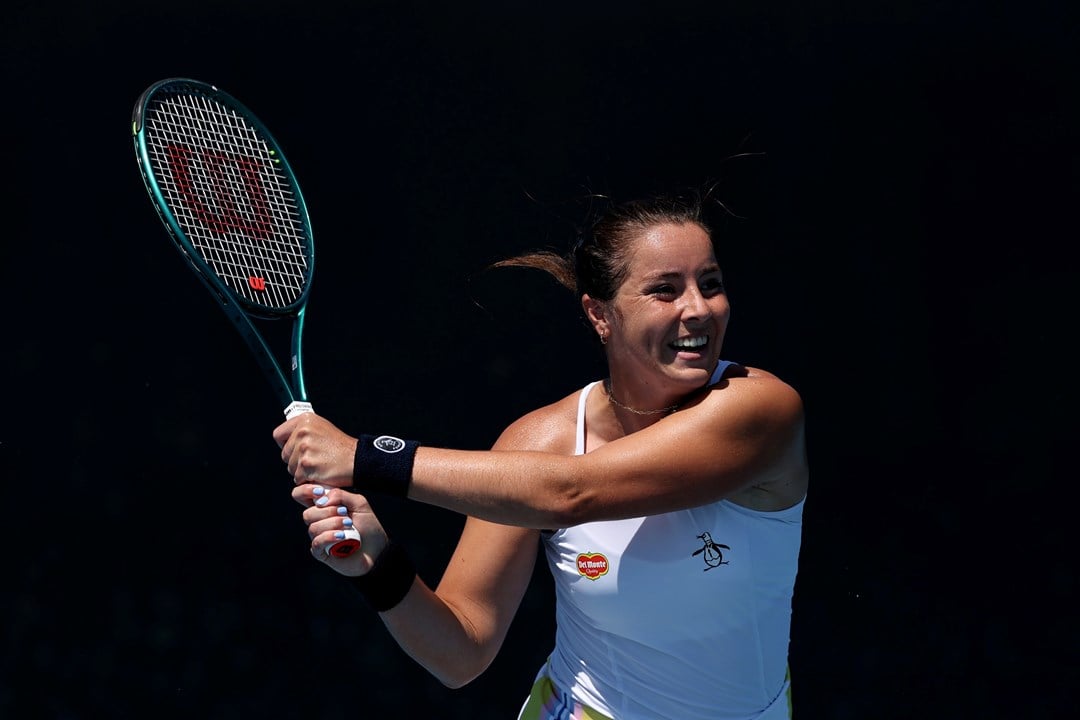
(345, 548)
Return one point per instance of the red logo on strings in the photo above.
(229, 195)
(257, 283)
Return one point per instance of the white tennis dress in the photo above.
(684, 615)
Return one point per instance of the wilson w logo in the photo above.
(224, 192)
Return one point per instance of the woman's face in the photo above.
(670, 314)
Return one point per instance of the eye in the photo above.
(712, 285)
(664, 290)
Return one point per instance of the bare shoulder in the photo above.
(762, 376)
(763, 410)
(547, 429)
(758, 392)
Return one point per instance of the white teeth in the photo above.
(694, 342)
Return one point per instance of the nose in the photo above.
(695, 305)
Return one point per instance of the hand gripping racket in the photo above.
(225, 192)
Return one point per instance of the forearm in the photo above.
(525, 489)
(440, 639)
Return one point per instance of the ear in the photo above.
(596, 312)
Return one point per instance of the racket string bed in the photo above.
(249, 229)
(223, 144)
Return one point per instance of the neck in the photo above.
(637, 411)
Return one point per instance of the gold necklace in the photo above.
(616, 403)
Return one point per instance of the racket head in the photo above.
(229, 198)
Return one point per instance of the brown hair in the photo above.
(598, 261)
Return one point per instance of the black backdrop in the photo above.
(903, 261)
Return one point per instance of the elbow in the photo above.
(455, 682)
(459, 665)
(569, 505)
(457, 675)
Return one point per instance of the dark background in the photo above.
(903, 261)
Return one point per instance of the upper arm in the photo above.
(492, 564)
(487, 578)
(744, 433)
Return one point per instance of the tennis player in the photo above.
(667, 498)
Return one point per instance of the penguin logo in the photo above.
(711, 551)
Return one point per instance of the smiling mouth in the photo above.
(690, 344)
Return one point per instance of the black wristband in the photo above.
(388, 581)
(383, 465)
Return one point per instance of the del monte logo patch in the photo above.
(592, 565)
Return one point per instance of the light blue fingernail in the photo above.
(322, 501)
(342, 510)
(347, 522)
(339, 535)
(317, 490)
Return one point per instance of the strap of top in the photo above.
(579, 442)
(726, 368)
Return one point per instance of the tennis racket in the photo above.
(231, 204)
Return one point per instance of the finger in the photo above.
(323, 541)
(283, 431)
(322, 506)
(287, 453)
(331, 524)
(284, 435)
(303, 494)
(333, 517)
(296, 445)
(299, 475)
(302, 465)
(313, 493)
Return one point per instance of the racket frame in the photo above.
(289, 388)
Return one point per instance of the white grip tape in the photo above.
(297, 407)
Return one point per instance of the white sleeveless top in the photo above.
(684, 615)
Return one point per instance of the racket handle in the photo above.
(342, 548)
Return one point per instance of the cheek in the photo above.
(722, 309)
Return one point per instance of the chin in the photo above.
(693, 376)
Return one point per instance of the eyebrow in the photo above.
(665, 274)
